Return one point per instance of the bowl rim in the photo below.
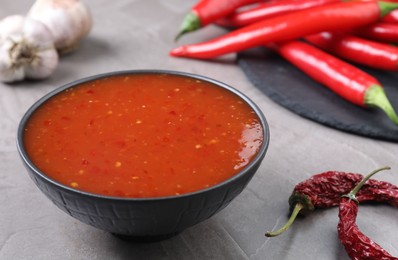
(36, 171)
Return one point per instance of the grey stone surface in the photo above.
(134, 34)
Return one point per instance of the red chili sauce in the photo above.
(143, 135)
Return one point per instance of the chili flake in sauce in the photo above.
(143, 135)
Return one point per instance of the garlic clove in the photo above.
(43, 66)
(26, 49)
(68, 20)
(33, 30)
(11, 26)
(8, 73)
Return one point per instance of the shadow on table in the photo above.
(203, 241)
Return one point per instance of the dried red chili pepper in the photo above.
(356, 243)
(345, 15)
(208, 11)
(383, 32)
(324, 190)
(268, 10)
(344, 79)
(362, 51)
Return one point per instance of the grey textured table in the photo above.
(133, 34)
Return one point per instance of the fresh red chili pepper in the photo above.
(268, 10)
(208, 11)
(344, 79)
(383, 32)
(362, 51)
(345, 15)
(356, 243)
(324, 190)
(391, 17)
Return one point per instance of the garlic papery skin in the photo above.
(26, 49)
(68, 20)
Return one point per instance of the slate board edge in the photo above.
(305, 113)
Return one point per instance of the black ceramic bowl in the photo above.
(145, 219)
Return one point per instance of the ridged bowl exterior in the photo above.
(142, 218)
(145, 217)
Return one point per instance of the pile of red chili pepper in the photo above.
(323, 38)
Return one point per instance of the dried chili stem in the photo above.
(297, 208)
(352, 194)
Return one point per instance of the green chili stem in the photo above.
(375, 96)
(386, 7)
(354, 191)
(190, 23)
(293, 216)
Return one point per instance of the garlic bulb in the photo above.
(68, 20)
(26, 49)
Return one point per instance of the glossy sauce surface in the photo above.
(143, 135)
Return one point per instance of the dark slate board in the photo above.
(294, 90)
